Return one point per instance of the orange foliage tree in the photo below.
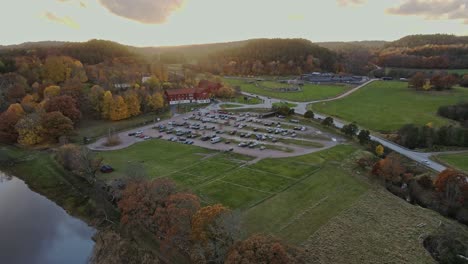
(64, 104)
(453, 186)
(263, 249)
(214, 231)
(141, 199)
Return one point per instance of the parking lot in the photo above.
(244, 133)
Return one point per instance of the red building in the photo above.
(187, 95)
(201, 94)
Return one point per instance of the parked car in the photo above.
(106, 169)
(147, 138)
(131, 134)
(215, 140)
(243, 144)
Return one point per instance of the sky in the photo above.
(182, 22)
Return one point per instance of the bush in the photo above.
(309, 114)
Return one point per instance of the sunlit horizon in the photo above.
(145, 23)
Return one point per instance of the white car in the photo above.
(426, 162)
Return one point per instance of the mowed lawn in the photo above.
(458, 161)
(290, 197)
(388, 105)
(309, 92)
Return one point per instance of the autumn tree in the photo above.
(14, 86)
(214, 230)
(30, 130)
(51, 91)
(379, 150)
(17, 109)
(392, 169)
(133, 103)
(95, 98)
(452, 186)
(74, 88)
(225, 92)
(64, 104)
(8, 120)
(29, 103)
(418, 80)
(118, 109)
(443, 82)
(107, 102)
(155, 102)
(174, 220)
(264, 249)
(55, 125)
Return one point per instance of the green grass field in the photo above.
(458, 161)
(97, 128)
(388, 105)
(310, 189)
(242, 100)
(309, 91)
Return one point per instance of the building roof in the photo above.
(181, 91)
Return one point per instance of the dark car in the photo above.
(205, 138)
(106, 169)
(131, 134)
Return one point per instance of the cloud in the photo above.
(144, 11)
(350, 2)
(433, 9)
(67, 21)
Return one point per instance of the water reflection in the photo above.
(36, 230)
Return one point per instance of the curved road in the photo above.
(301, 108)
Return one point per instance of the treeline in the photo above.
(458, 112)
(90, 52)
(271, 57)
(425, 52)
(412, 41)
(412, 136)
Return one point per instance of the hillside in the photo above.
(187, 53)
(426, 52)
(270, 57)
(340, 45)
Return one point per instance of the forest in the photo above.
(45, 91)
(425, 52)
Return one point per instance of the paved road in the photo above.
(301, 108)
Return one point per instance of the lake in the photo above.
(34, 230)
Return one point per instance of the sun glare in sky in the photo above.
(179, 22)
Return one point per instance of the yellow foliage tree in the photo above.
(30, 131)
(133, 104)
(17, 109)
(107, 102)
(379, 150)
(51, 91)
(119, 109)
(29, 103)
(427, 85)
(155, 102)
